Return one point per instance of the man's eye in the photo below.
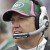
(12, 19)
(22, 18)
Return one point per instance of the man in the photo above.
(5, 40)
(25, 27)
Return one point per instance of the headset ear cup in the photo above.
(43, 15)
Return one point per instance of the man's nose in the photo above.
(16, 24)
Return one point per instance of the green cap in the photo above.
(23, 7)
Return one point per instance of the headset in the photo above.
(43, 22)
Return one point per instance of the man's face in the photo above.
(22, 24)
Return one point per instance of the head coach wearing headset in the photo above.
(29, 21)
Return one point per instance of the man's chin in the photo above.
(17, 40)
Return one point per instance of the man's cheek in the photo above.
(12, 30)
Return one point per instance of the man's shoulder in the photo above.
(47, 46)
(13, 48)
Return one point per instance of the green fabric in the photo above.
(23, 6)
(10, 43)
(37, 9)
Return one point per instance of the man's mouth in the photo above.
(15, 32)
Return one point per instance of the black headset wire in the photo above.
(40, 39)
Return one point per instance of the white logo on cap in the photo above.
(18, 5)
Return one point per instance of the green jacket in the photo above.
(9, 44)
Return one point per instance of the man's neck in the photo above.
(40, 46)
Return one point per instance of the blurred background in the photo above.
(7, 4)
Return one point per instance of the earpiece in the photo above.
(42, 15)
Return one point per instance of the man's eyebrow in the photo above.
(22, 16)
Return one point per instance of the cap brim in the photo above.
(8, 14)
